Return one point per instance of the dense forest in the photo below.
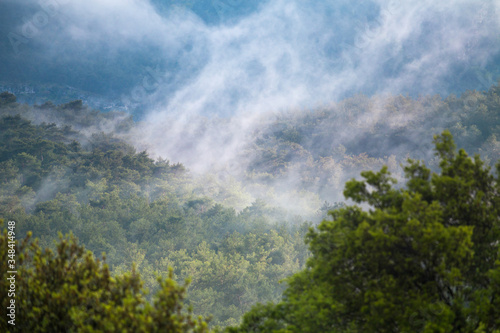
(250, 166)
(142, 211)
(71, 169)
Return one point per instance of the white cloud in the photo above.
(285, 55)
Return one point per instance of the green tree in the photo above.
(421, 259)
(70, 291)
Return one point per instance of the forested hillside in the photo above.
(423, 258)
(69, 168)
(250, 166)
(135, 209)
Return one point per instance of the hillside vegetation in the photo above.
(70, 169)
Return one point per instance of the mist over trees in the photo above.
(250, 166)
(239, 237)
(143, 211)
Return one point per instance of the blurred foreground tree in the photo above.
(71, 291)
(421, 259)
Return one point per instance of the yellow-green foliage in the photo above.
(70, 291)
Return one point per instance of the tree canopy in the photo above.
(70, 291)
(423, 258)
(68, 168)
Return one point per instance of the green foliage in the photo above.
(80, 177)
(147, 212)
(70, 291)
(422, 259)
